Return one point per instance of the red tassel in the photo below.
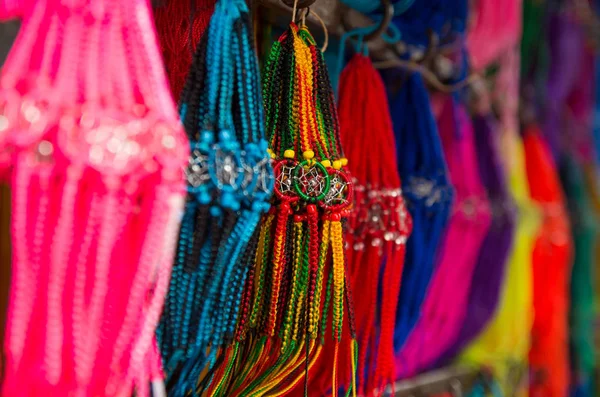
(179, 31)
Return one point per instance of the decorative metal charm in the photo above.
(197, 173)
(284, 180)
(311, 182)
(341, 191)
(427, 190)
(228, 173)
(264, 176)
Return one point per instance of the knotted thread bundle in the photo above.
(503, 345)
(379, 224)
(93, 152)
(427, 192)
(444, 307)
(488, 275)
(299, 279)
(549, 354)
(180, 26)
(230, 181)
(581, 302)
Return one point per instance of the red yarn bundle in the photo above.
(552, 255)
(180, 25)
(379, 225)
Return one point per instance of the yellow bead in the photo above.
(289, 154)
(337, 164)
(344, 161)
(272, 155)
(326, 163)
(309, 154)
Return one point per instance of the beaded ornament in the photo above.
(93, 151)
(230, 181)
(298, 276)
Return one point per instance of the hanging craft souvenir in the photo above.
(581, 310)
(566, 43)
(488, 275)
(230, 181)
(298, 280)
(379, 224)
(503, 345)
(489, 36)
(489, 271)
(579, 193)
(427, 192)
(95, 158)
(592, 187)
(444, 307)
(549, 355)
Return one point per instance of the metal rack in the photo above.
(455, 380)
(336, 17)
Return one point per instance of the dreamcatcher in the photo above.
(298, 278)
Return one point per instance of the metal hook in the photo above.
(456, 388)
(388, 14)
(382, 27)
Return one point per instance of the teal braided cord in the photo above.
(225, 120)
(242, 88)
(250, 227)
(234, 247)
(213, 52)
(257, 112)
(185, 241)
(201, 339)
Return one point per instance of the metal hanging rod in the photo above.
(455, 380)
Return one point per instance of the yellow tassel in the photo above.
(354, 353)
(334, 387)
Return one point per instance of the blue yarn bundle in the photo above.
(229, 186)
(445, 18)
(427, 191)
